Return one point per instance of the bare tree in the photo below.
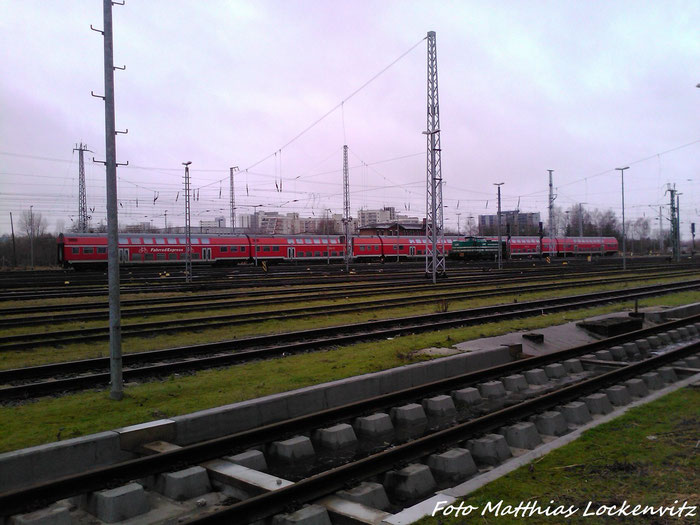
(35, 220)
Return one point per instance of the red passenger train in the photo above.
(83, 250)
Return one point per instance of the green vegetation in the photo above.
(649, 456)
(52, 418)
(47, 354)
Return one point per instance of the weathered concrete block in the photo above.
(121, 503)
(536, 376)
(585, 361)
(654, 342)
(653, 380)
(183, 484)
(697, 326)
(644, 347)
(604, 355)
(492, 389)
(573, 366)
(411, 482)
(598, 403)
(515, 383)
(293, 450)
(522, 435)
(49, 516)
(253, 459)
(131, 437)
(342, 512)
(683, 333)
(367, 493)
(551, 423)
(620, 353)
(453, 465)
(665, 338)
(692, 330)
(576, 412)
(490, 449)
(309, 515)
(409, 415)
(376, 426)
(693, 361)
(618, 395)
(637, 387)
(668, 374)
(439, 406)
(337, 437)
(555, 371)
(467, 396)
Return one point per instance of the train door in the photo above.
(290, 253)
(123, 255)
(412, 251)
(206, 254)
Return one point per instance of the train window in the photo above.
(135, 240)
(235, 248)
(257, 248)
(223, 249)
(171, 240)
(135, 256)
(88, 249)
(334, 241)
(172, 256)
(160, 256)
(317, 241)
(317, 254)
(101, 249)
(150, 257)
(182, 240)
(123, 240)
(205, 240)
(195, 256)
(266, 248)
(75, 250)
(324, 241)
(160, 240)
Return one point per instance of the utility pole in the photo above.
(674, 224)
(346, 209)
(624, 236)
(110, 162)
(434, 253)
(166, 221)
(14, 246)
(188, 232)
(82, 198)
(678, 225)
(580, 219)
(661, 232)
(232, 198)
(551, 214)
(458, 215)
(498, 218)
(31, 235)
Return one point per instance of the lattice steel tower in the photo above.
(188, 230)
(82, 196)
(232, 198)
(435, 246)
(346, 209)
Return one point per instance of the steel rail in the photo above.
(243, 350)
(44, 492)
(25, 341)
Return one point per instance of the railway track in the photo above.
(149, 329)
(469, 422)
(89, 373)
(22, 316)
(226, 281)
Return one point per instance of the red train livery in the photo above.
(88, 250)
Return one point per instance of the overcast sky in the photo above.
(579, 87)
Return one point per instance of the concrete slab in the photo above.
(492, 389)
(551, 423)
(49, 516)
(408, 415)
(132, 437)
(439, 406)
(344, 512)
(536, 376)
(618, 395)
(183, 484)
(598, 403)
(309, 515)
(576, 413)
(467, 396)
(292, 450)
(375, 426)
(253, 459)
(409, 483)
(118, 504)
(367, 493)
(157, 447)
(490, 449)
(555, 371)
(340, 436)
(515, 383)
(452, 465)
(249, 482)
(521, 435)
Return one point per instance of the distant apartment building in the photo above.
(520, 223)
